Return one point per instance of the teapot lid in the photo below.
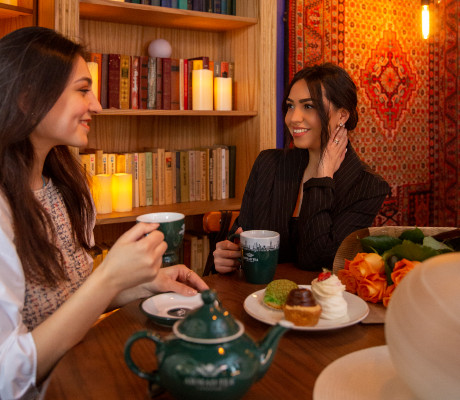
(208, 324)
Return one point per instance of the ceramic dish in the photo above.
(362, 375)
(166, 308)
(357, 311)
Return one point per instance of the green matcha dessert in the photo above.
(277, 292)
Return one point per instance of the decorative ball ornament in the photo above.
(422, 328)
(160, 48)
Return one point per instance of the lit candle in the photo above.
(122, 192)
(102, 193)
(93, 70)
(202, 89)
(223, 94)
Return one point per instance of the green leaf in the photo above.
(411, 251)
(414, 235)
(436, 245)
(379, 244)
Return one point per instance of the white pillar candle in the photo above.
(122, 192)
(223, 94)
(102, 193)
(93, 70)
(202, 89)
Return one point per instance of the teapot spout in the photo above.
(269, 345)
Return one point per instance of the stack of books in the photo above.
(151, 83)
(162, 176)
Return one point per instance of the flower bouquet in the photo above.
(372, 262)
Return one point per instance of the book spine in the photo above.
(224, 69)
(173, 175)
(121, 163)
(105, 163)
(198, 5)
(224, 7)
(189, 84)
(142, 181)
(125, 84)
(168, 178)
(136, 180)
(152, 84)
(226, 174)
(198, 181)
(148, 179)
(135, 69)
(174, 4)
(114, 81)
(181, 84)
(217, 7)
(189, 4)
(155, 172)
(175, 84)
(219, 174)
(191, 169)
(112, 163)
(184, 177)
(104, 79)
(97, 58)
(144, 82)
(178, 188)
(99, 164)
(183, 4)
(204, 174)
(231, 171)
(155, 3)
(159, 84)
(166, 3)
(209, 6)
(161, 176)
(212, 174)
(185, 84)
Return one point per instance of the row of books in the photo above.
(214, 6)
(153, 83)
(193, 252)
(170, 176)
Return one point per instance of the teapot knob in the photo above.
(209, 296)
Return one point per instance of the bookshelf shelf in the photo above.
(7, 11)
(191, 208)
(113, 112)
(138, 14)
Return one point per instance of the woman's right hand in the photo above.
(227, 255)
(134, 258)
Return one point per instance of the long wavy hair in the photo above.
(35, 66)
(337, 86)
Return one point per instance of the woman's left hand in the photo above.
(177, 278)
(334, 153)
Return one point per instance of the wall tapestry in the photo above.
(409, 103)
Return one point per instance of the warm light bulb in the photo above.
(425, 21)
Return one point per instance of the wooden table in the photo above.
(95, 368)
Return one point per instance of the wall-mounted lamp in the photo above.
(425, 18)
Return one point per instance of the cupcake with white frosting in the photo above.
(328, 293)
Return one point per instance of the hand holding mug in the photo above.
(227, 255)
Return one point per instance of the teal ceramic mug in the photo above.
(259, 251)
(172, 225)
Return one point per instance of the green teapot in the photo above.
(209, 356)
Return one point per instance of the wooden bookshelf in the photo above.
(7, 11)
(138, 14)
(191, 208)
(248, 39)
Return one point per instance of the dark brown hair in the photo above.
(35, 66)
(338, 88)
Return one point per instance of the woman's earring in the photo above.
(340, 124)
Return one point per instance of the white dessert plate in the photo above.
(357, 311)
(362, 375)
(167, 308)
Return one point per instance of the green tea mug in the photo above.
(259, 251)
(172, 225)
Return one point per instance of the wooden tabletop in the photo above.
(95, 368)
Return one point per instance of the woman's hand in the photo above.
(134, 259)
(227, 255)
(334, 153)
(177, 278)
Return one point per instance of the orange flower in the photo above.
(388, 294)
(348, 279)
(372, 288)
(401, 269)
(365, 264)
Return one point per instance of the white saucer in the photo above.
(167, 308)
(357, 311)
(362, 375)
